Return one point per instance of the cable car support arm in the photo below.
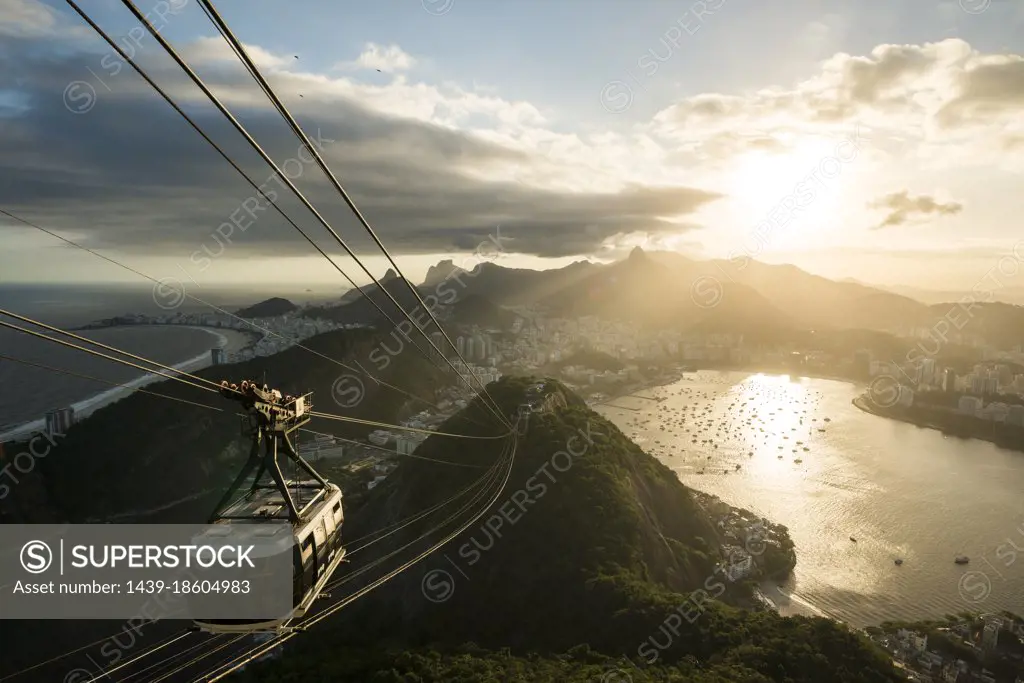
(273, 419)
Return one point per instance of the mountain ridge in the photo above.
(774, 299)
(644, 290)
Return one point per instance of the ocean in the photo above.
(70, 305)
(31, 391)
(900, 491)
(28, 392)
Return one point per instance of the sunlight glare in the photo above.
(761, 182)
(761, 179)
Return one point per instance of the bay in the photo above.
(901, 491)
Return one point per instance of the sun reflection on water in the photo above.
(857, 492)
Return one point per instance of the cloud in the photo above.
(390, 59)
(989, 87)
(435, 167)
(132, 177)
(845, 88)
(902, 207)
(216, 49)
(27, 19)
(943, 97)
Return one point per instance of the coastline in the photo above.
(775, 593)
(87, 406)
(1008, 444)
(769, 591)
(812, 590)
(662, 382)
(798, 375)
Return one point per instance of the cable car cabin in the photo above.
(312, 507)
(315, 545)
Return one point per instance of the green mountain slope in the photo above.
(592, 542)
(144, 452)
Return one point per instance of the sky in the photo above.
(875, 141)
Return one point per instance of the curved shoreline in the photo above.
(812, 591)
(87, 406)
(663, 382)
(922, 423)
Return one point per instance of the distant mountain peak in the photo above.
(441, 272)
(388, 276)
(269, 308)
(637, 254)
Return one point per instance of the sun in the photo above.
(764, 177)
(795, 190)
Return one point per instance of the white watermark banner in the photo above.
(148, 571)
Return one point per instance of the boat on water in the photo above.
(899, 561)
(853, 539)
(961, 559)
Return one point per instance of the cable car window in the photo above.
(306, 548)
(318, 533)
(337, 514)
(329, 524)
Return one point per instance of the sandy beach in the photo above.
(229, 340)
